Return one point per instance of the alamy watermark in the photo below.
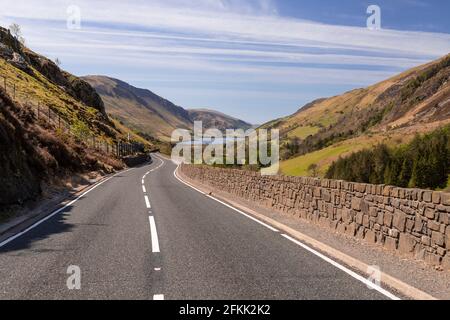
(74, 280)
(234, 147)
(374, 20)
(73, 17)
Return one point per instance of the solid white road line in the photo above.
(154, 235)
(144, 189)
(342, 268)
(158, 297)
(147, 202)
(143, 181)
(332, 262)
(58, 211)
(225, 204)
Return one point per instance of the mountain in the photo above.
(217, 120)
(37, 147)
(390, 112)
(140, 109)
(152, 115)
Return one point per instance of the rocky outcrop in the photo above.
(25, 59)
(412, 223)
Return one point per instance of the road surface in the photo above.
(143, 234)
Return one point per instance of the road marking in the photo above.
(332, 262)
(157, 269)
(342, 268)
(143, 181)
(226, 204)
(244, 214)
(5, 242)
(147, 202)
(159, 166)
(154, 235)
(143, 189)
(158, 297)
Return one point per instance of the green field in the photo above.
(303, 132)
(323, 158)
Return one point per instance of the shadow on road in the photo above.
(55, 225)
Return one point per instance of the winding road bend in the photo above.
(144, 234)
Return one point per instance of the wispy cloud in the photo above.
(216, 39)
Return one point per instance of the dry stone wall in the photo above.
(410, 222)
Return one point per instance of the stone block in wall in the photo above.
(430, 213)
(399, 220)
(351, 229)
(437, 238)
(388, 217)
(441, 251)
(390, 244)
(427, 196)
(356, 203)
(359, 218)
(433, 225)
(445, 199)
(341, 227)
(406, 245)
(447, 238)
(370, 236)
(436, 197)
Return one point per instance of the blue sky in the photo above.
(253, 59)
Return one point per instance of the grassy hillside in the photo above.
(217, 120)
(140, 109)
(35, 80)
(38, 147)
(392, 112)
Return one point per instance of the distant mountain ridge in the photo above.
(152, 115)
(217, 120)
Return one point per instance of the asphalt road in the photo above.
(176, 244)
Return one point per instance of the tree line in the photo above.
(422, 163)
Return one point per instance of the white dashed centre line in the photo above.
(147, 202)
(144, 189)
(158, 297)
(154, 235)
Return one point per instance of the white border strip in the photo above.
(342, 268)
(5, 242)
(318, 254)
(225, 204)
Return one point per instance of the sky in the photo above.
(253, 59)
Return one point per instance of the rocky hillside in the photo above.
(217, 120)
(35, 150)
(392, 112)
